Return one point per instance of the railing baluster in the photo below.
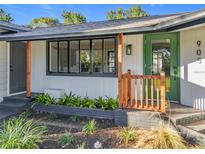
(146, 92)
(152, 94)
(157, 85)
(136, 97)
(141, 93)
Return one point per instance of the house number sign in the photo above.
(198, 51)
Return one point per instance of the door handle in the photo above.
(175, 72)
(11, 68)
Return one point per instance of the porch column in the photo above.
(120, 60)
(28, 69)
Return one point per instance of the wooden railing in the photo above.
(146, 92)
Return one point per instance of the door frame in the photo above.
(9, 93)
(146, 48)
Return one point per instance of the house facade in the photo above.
(87, 59)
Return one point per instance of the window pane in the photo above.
(63, 56)
(53, 59)
(85, 56)
(97, 55)
(109, 55)
(74, 56)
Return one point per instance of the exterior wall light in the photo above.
(129, 49)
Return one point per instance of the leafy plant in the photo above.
(81, 146)
(90, 127)
(107, 104)
(162, 138)
(20, 133)
(66, 139)
(74, 118)
(88, 103)
(52, 116)
(127, 135)
(45, 99)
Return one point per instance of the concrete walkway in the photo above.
(11, 106)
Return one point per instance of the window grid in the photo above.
(91, 52)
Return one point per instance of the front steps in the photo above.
(191, 125)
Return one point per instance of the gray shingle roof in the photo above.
(92, 28)
(132, 25)
(12, 27)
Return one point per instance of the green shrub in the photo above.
(90, 127)
(45, 99)
(107, 104)
(73, 100)
(19, 133)
(127, 135)
(66, 139)
(88, 103)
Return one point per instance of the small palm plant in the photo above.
(66, 139)
(90, 127)
(20, 133)
(127, 135)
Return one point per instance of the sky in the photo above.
(24, 13)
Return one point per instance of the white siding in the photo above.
(3, 69)
(192, 73)
(83, 86)
(134, 61)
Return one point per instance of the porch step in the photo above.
(198, 126)
(183, 119)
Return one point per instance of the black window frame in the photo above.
(91, 73)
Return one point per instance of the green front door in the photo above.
(161, 54)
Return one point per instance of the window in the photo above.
(63, 56)
(97, 55)
(90, 56)
(53, 57)
(85, 56)
(109, 56)
(74, 56)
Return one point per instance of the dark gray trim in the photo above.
(186, 25)
(90, 74)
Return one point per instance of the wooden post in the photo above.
(28, 69)
(120, 60)
(163, 92)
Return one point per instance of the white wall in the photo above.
(192, 72)
(3, 68)
(134, 61)
(90, 86)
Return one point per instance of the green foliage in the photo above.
(90, 127)
(52, 117)
(44, 22)
(127, 135)
(5, 16)
(71, 17)
(20, 133)
(107, 104)
(66, 139)
(133, 12)
(81, 146)
(44, 99)
(74, 118)
(88, 103)
(73, 100)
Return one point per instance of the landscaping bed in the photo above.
(74, 132)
